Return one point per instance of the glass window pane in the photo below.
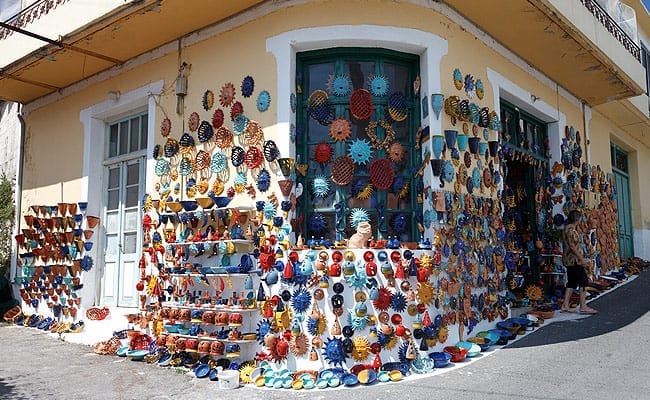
(112, 141)
(112, 222)
(131, 219)
(359, 71)
(131, 196)
(135, 135)
(112, 248)
(124, 137)
(133, 174)
(318, 77)
(130, 243)
(398, 76)
(113, 178)
(143, 132)
(113, 199)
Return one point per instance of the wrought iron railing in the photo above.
(30, 14)
(613, 27)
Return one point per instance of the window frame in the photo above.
(340, 57)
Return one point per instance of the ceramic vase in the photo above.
(493, 146)
(450, 138)
(462, 142)
(437, 102)
(436, 167)
(438, 144)
(482, 148)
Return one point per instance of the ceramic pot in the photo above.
(451, 136)
(438, 145)
(437, 102)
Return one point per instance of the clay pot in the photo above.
(92, 221)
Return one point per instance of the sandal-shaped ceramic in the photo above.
(65, 327)
(77, 327)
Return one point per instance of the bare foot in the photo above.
(588, 310)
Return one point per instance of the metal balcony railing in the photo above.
(613, 27)
(30, 14)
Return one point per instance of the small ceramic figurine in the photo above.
(360, 239)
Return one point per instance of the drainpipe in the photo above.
(18, 195)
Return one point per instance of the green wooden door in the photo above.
(622, 182)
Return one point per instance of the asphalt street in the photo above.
(603, 356)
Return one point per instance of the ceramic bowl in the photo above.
(350, 380)
(137, 355)
(523, 322)
(473, 349)
(509, 326)
(440, 358)
(121, 352)
(201, 370)
(221, 201)
(504, 336)
(367, 376)
(492, 336)
(458, 354)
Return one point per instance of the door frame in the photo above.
(624, 210)
(94, 119)
(122, 163)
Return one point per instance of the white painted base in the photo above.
(642, 243)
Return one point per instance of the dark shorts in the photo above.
(576, 276)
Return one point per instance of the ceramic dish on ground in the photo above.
(383, 376)
(121, 352)
(473, 349)
(504, 336)
(137, 355)
(483, 342)
(523, 322)
(458, 354)
(350, 380)
(164, 360)
(395, 375)
(492, 336)
(440, 358)
(367, 376)
(509, 326)
(399, 366)
(201, 370)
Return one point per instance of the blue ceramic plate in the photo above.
(137, 355)
(350, 380)
(122, 351)
(367, 376)
(440, 358)
(201, 370)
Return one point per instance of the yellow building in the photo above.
(473, 126)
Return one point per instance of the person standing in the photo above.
(576, 265)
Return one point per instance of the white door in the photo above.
(125, 182)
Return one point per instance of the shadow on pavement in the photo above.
(621, 306)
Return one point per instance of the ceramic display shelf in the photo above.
(209, 210)
(209, 307)
(241, 341)
(231, 275)
(235, 241)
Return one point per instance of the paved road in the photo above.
(599, 357)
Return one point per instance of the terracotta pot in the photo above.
(92, 221)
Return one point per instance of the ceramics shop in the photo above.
(369, 213)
